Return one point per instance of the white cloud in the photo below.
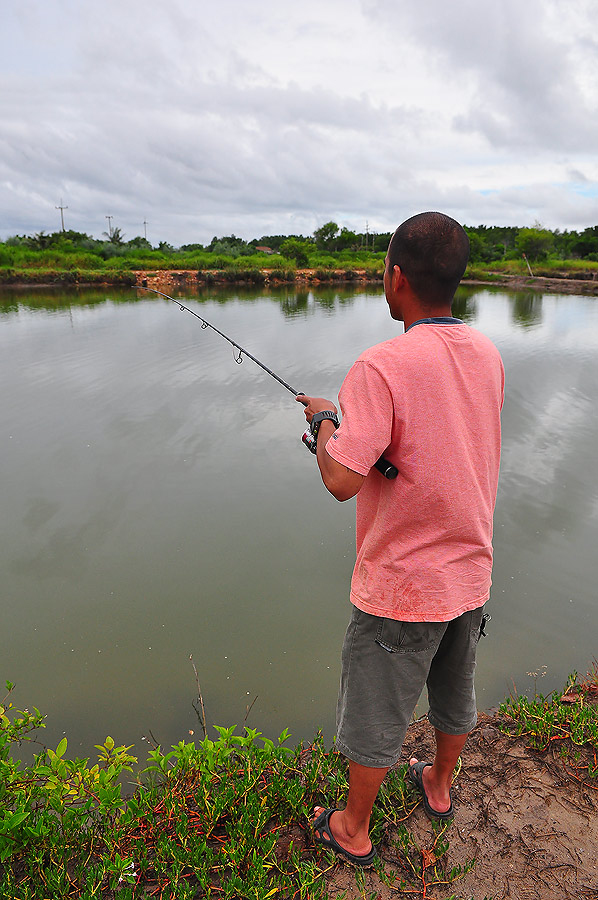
(273, 117)
(532, 66)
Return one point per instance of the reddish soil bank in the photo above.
(168, 279)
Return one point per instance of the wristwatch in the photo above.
(319, 417)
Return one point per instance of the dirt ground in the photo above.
(529, 823)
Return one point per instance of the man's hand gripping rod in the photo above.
(383, 465)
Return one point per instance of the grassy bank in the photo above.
(234, 274)
(65, 262)
(227, 816)
(64, 277)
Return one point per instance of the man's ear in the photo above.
(397, 279)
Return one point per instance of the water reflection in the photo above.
(293, 301)
(296, 303)
(527, 308)
(464, 304)
(157, 501)
(13, 300)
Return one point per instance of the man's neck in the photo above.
(415, 314)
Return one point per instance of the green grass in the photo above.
(226, 817)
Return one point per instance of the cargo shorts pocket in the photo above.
(408, 637)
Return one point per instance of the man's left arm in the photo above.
(342, 482)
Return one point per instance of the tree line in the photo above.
(327, 244)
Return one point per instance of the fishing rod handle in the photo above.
(386, 468)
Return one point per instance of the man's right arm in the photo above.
(342, 482)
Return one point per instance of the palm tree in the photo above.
(115, 236)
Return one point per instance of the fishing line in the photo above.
(386, 468)
(242, 352)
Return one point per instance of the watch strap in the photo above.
(319, 417)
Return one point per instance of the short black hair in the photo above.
(432, 251)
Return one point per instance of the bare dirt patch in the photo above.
(527, 818)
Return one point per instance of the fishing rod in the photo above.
(383, 465)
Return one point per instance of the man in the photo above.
(428, 400)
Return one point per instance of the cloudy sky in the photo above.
(257, 117)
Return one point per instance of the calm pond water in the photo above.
(157, 502)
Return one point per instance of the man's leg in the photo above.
(350, 826)
(379, 684)
(451, 695)
(437, 777)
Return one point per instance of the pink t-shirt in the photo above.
(428, 400)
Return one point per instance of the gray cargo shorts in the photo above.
(385, 665)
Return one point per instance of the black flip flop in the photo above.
(415, 775)
(324, 836)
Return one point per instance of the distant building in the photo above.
(267, 250)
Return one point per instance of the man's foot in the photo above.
(351, 848)
(437, 799)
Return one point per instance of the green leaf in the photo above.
(6, 852)
(61, 749)
(17, 818)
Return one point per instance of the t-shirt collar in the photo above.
(436, 320)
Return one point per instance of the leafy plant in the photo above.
(569, 716)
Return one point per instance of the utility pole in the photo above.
(109, 225)
(145, 224)
(61, 208)
(367, 234)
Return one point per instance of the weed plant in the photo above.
(567, 720)
(227, 817)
